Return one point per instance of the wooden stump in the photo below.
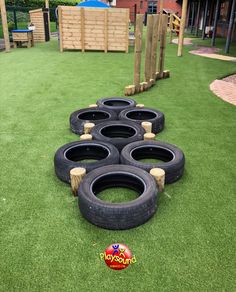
(76, 176)
(93, 105)
(159, 175)
(166, 74)
(147, 127)
(140, 105)
(130, 90)
(149, 136)
(86, 137)
(88, 127)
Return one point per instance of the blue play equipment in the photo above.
(93, 4)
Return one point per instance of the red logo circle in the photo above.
(118, 256)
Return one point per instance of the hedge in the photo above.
(40, 3)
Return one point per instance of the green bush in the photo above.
(39, 3)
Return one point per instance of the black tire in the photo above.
(172, 157)
(118, 215)
(118, 133)
(86, 115)
(140, 115)
(117, 104)
(69, 156)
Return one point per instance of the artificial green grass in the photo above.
(46, 245)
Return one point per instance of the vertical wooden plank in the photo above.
(148, 50)
(155, 37)
(82, 29)
(182, 26)
(127, 31)
(171, 27)
(138, 50)
(164, 24)
(4, 25)
(60, 27)
(105, 30)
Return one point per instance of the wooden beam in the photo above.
(155, 36)
(182, 26)
(138, 50)
(148, 51)
(164, 23)
(171, 27)
(205, 19)
(231, 23)
(47, 4)
(213, 40)
(4, 25)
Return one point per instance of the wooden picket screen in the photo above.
(93, 29)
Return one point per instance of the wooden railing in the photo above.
(174, 25)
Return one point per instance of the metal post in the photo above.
(192, 17)
(213, 40)
(198, 16)
(231, 23)
(15, 18)
(205, 20)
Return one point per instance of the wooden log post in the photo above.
(138, 51)
(159, 176)
(129, 90)
(4, 25)
(149, 136)
(76, 176)
(161, 63)
(147, 127)
(148, 50)
(88, 127)
(182, 27)
(171, 27)
(85, 137)
(155, 36)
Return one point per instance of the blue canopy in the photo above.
(93, 3)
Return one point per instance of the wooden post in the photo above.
(164, 23)
(60, 27)
(47, 4)
(230, 28)
(149, 136)
(147, 127)
(106, 30)
(82, 29)
(213, 40)
(198, 17)
(161, 6)
(205, 20)
(135, 16)
(182, 26)
(129, 90)
(127, 31)
(4, 25)
(155, 36)
(86, 137)
(138, 51)
(159, 175)
(171, 27)
(76, 176)
(148, 51)
(88, 127)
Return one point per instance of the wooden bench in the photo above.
(21, 36)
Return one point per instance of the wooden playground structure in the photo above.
(103, 29)
(154, 69)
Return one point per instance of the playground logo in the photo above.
(118, 256)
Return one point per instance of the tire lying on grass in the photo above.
(140, 115)
(87, 115)
(80, 154)
(118, 133)
(172, 158)
(118, 215)
(117, 104)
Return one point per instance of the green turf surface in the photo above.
(46, 245)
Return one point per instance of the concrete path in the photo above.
(209, 52)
